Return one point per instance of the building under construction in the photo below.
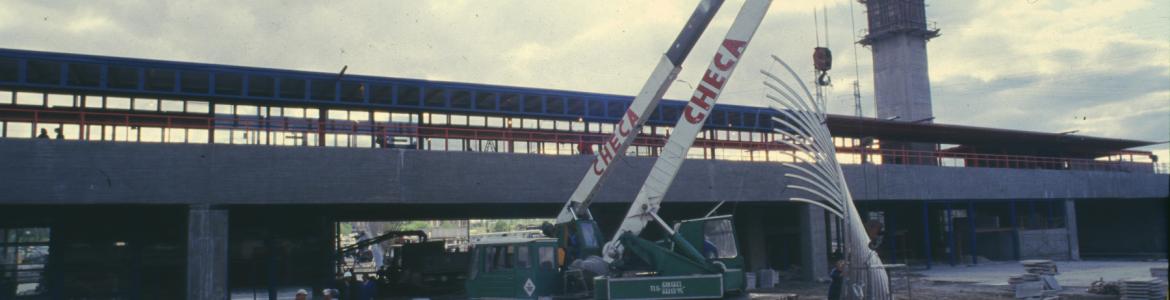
(146, 179)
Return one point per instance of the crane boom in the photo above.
(645, 206)
(640, 109)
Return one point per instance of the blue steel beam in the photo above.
(1031, 214)
(746, 118)
(926, 232)
(890, 241)
(1015, 232)
(971, 224)
(950, 227)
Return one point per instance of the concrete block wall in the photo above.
(1044, 244)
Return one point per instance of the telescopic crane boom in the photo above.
(640, 109)
(645, 206)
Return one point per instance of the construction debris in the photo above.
(1142, 288)
(1101, 287)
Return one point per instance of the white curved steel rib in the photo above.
(803, 128)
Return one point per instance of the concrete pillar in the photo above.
(1070, 221)
(207, 252)
(756, 252)
(813, 253)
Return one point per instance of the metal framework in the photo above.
(103, 75)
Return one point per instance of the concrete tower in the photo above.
(901, 84)
(898, 35)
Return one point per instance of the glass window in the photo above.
(547, 258)
(150, 134)
(294, 112)
(18, 130)
(337, 114)
(197, 136)
(117, 103)
(146, 104)
(402, 118)
(171, 105)
(359, 116)
(312, 113)
(510, 257)
(528, 124)
(198, 107)
(381, 116)
(522, 257)
(24, 252)
(247, 110)
(547, 125)
(60, 100)
(26, 98)
(473, 272)
(439, 119)
(477, 121)
(719, 239)
(589, 237)
(224, 109)
(5, 97)
(460, 120)
(489, 259)
(495, 122)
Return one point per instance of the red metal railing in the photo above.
(762, 150)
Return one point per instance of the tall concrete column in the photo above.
(813, 255)
(207, 252)
(755, 242)
(1070, 221)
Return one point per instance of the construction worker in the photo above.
(837, 275)
(329, 294)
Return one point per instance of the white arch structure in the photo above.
(818, 174)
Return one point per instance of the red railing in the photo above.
(318, 128)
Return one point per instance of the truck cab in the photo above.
(514, 268)
(715, 238)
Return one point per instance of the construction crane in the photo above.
(668, 269)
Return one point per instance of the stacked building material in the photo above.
(1160, 273)
(1142, 288)
(1022, 278)
(1038, 281)
(1039, 267)
(767, 278)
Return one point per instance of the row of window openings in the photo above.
(121, 133)
(48, 72)
(146, 104)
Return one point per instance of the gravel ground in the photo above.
(985, 281)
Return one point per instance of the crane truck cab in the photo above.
(514, 268)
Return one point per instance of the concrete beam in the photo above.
(68, 172)
(207, 252)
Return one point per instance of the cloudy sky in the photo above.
(1100, 67)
